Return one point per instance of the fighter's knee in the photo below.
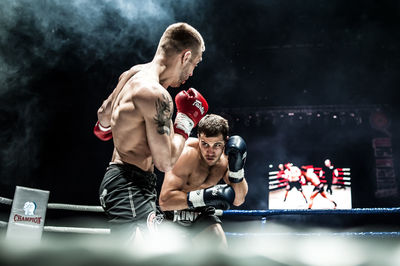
(214, 235)
(216, 230)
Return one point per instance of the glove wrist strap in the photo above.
(196, 199)
(236, 177)
(183, 122)
(104, 129)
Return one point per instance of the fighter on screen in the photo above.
(308, 172)
(294, 179)
(330, 172)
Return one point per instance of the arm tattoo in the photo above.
(163, 115)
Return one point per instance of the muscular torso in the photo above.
(191, 172)
(201, 175)
(128, 124)
(293, 174)
(312, 177)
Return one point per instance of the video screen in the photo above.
(321, 161)
(309, 186)
(288, 148)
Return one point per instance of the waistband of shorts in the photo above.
(136, 175)
(131, 167)
(200, 210)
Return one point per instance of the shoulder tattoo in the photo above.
(163, 115)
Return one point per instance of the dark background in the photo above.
(60, 59)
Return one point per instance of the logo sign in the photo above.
(29, 217)
(153, 221)
(199, 105)
(29, 208)
(185, 217)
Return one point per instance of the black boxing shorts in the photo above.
(128, 196)
(293, 184)
(195, 220)
(319, 188)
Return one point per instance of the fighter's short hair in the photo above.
(180, 36)
(212, 125)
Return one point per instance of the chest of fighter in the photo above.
(197, 180)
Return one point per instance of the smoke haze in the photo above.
(60, 59)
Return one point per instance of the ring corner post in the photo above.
(27, 215)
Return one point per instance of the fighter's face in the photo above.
(211, 148)
(187, 70)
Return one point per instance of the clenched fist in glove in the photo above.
(191, 107)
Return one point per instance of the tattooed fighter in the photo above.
(137, 116)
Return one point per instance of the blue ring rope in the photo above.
(306, 234)
(318, 211)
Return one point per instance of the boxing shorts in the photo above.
(293, 184)
(128, 195)
(195, 220)
(319, 188)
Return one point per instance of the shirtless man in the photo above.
(294, 178)
(308, 172)
(190, 194)
(137, 116)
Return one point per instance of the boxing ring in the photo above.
(266, 244)
(255, 215)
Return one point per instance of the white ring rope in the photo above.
(79, 230)
(65, 229)
(62, 206)
(72, 207)
(5, 201)
(3, 224)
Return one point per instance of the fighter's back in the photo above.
(312, 177)
(128, 122)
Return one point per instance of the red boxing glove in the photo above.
(191, 107)
(101, 132)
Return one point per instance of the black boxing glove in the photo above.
(236, 150)
(218, 196)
